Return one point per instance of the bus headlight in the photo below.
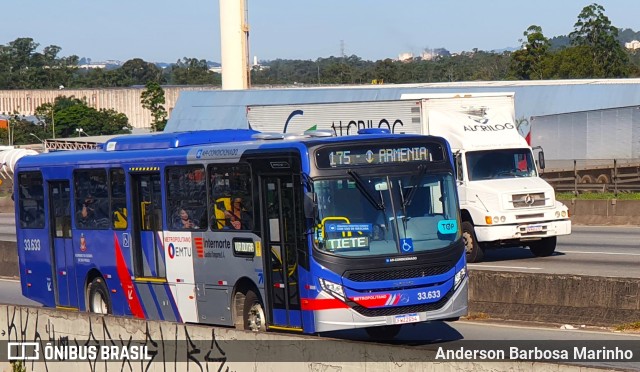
(459, 277)
(334, 289)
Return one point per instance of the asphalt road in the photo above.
(610, 251)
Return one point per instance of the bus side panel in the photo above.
(93, 250)
(34, 252)
(217, 272)
(123, 300)
(308, 315)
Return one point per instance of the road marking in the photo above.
(5, 279)
(506, 267)
(610, 253)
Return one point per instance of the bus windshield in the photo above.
(503, 163)
(384, 215)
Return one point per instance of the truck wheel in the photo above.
(383, 332)
(99, 301)
(474, 252)
(544, 247)
(253, 317)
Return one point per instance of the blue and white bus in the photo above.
(307, 233)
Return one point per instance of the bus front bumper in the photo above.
(339, 319)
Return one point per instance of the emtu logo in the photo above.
(171, 250)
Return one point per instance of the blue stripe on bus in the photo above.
(172, 301)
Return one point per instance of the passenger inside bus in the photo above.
(93, 213)
(86, 214)
(182, 221)
(238, 217)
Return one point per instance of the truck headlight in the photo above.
(334, 289)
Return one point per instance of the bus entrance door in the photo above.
(282, 239)
(64, 284)
(147, 240)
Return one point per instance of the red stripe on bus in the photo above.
(322, 304)
(127, 284)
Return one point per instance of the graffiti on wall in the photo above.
(162, 346)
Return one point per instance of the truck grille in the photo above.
(528, 200)
(396, 273)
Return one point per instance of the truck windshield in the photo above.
(385, 215)
(503, 163)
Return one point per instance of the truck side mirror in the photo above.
(540, 156)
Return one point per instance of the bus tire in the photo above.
(98, 297)
(543, 247)
(471, 246)
(253, 315)
(388, 332)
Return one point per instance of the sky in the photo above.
(166, 31)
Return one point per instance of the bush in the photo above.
(598, 196)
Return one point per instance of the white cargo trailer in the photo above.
(504, 202)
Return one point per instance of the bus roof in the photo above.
(163, 146)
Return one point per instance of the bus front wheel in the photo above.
(383, 332)
(99, 301)
(253, 313)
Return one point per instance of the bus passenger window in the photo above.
(31, 200)
(231, 199)
(118, 199)
(186, 198)
(91, 199)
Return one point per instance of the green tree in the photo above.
(71, 113)
(528, 62)
(594, 30)
(192, 71)
(152, 98)
(570, 63)
(139, 72)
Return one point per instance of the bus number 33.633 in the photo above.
(429, 295)
(31, 244)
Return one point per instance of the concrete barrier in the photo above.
(9, 259)
(604, 212)
(196, 348)
(554, 298)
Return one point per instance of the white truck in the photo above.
(504, 203)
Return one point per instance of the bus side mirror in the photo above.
(310, 205)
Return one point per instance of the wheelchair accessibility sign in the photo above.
(406, 245)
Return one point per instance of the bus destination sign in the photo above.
(377, 155)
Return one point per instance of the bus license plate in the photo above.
(534, 228)
(406, 318)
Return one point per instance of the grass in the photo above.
(598, 196)
(629, 327)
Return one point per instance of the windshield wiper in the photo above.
(363, 189)
(416, 178)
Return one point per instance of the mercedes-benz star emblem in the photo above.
(528, 199)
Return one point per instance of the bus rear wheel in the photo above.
(543, 247)
(98, 295)
(253, 317)
(383, 332)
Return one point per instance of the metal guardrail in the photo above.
(597, 175)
